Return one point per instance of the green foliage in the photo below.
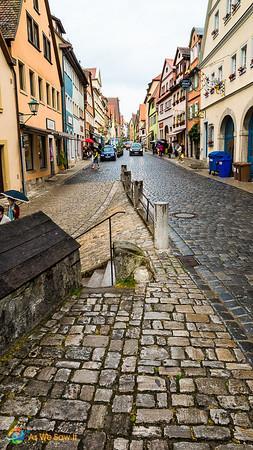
(128, 282)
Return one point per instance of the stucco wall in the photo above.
(8, 128)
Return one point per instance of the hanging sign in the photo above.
(186, 84)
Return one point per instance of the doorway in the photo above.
(1, 169)
(51, 153)
(250, 144)
(229, 139)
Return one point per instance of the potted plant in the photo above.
(241, 70)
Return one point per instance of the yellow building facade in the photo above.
(10, 161)
(31, 42)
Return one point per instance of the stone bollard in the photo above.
(161, 226)
(123, 171)
(128, 180)
(138, 189)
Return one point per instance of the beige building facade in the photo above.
(227, 80)
(10, 161)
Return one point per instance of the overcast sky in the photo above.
(128, 39)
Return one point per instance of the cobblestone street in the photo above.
(150, 369)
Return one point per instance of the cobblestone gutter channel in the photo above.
(155, 369)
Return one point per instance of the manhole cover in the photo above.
(188, 261)
(184, 215)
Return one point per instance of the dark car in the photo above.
(136, 149)
(108, 153)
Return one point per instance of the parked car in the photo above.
(120, 151)
(136, 149)
(108, 153)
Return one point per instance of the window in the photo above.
(33, 32)
(53, 98)
(47, 48)
(32, 87)
(21, 71)
(229, 6)
(48, 94)
(233, 64)
(220, 73)
(190, 112)
(196, 110)
(244, 56)
(28, 145)
(211, 135)
(58, 101)
(42, 151)
(216, 21)
(36, 5)
(161, 108)
(40, 85)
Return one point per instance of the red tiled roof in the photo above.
(142, 110)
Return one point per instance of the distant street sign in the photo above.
(186, 84)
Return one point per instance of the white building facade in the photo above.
(164, 103)
(227, 80)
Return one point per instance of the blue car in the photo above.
(108, 153)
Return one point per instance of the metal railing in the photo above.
(148, 207)
(110, 237)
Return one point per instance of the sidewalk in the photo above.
(248, 187)
(58, 179)
(153, 369)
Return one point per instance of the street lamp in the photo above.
(34, 108)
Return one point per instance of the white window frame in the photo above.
(233, 63)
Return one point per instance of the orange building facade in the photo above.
(31, 41)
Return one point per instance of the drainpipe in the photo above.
(64, 115)
(20, 136)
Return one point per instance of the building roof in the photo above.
(93, 71)
(199, 31)
(185, 51)
(142, 110)
(10, 11)
(59, 23)
(158, 78)
(113, 107)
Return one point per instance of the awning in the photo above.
(179, 132)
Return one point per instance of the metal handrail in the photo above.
(110, 236)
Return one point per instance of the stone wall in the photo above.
(24, 308)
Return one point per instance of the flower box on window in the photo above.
(235, 6)
(242, 70)
(232, 76)
(215, 33)
(212, 90)
(226, 18)
(206, 94)
(251, 64)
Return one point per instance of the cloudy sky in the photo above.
(128, 39)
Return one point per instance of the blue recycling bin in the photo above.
(220, 163)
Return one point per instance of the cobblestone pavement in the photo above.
(219, 236)
(151, 369)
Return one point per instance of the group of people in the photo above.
(13, 212)
(93, 151)
(162, 148)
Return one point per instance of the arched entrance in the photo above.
(229, 139)
(250, 143)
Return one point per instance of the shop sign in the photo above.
(50, 124)
(186, 84)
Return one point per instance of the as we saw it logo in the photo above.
(17, 435)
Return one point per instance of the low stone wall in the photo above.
(24, 308)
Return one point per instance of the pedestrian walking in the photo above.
(170, 150)
(95, 164)
(181, 154)
(3, 218)
(13, 210)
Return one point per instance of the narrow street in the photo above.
(219, 236)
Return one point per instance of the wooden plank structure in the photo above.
(29, 247)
